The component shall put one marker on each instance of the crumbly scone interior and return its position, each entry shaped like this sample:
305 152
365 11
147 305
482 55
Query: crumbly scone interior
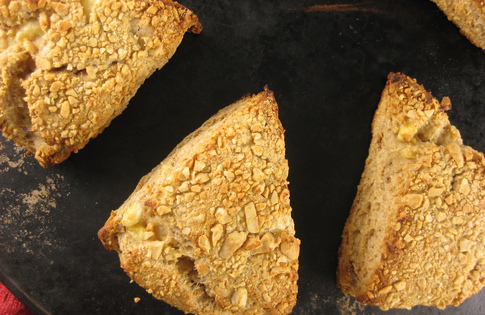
414 235
18 64
70 67
220 220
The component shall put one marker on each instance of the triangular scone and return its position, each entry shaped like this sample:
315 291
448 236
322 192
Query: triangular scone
469 16
416 230
70 67
209 230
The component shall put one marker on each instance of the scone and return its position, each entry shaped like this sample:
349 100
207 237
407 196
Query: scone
416 230
469 16
70 66
209 230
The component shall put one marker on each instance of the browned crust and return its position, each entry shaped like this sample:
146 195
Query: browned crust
432 251
70 67
469 16
108 233
219 206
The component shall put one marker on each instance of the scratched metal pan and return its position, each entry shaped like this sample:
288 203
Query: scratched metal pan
326 61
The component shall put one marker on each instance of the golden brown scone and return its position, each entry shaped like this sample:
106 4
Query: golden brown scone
69 67
469 16
416 230
209 230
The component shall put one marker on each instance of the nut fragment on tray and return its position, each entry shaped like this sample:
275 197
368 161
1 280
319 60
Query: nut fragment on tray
70 67
209 230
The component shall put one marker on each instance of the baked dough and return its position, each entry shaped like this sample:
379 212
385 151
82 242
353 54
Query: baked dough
69 67
209 230
469 16
416 230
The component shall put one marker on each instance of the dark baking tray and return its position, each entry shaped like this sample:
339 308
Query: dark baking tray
327 64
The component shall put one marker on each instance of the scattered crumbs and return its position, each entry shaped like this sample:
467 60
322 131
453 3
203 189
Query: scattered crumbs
347 305
25 215
38 195
13 157
137 299
316 300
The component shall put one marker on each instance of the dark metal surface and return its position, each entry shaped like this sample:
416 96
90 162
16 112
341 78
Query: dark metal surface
327 66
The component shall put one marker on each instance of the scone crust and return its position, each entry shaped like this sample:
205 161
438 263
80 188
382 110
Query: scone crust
228 244
469 16
429 188
69 67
